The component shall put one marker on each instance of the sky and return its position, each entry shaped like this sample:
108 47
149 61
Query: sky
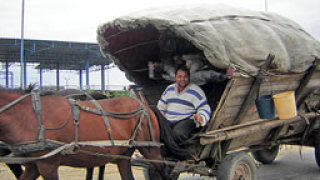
78 20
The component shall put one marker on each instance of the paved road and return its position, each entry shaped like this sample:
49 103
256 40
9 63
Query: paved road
289 165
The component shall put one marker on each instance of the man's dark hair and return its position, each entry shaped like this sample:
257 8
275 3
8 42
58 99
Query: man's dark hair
182 68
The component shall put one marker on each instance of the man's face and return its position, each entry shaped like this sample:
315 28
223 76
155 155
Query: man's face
182 79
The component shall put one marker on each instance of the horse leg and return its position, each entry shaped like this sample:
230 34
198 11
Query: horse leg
124 168
89 173
16 169
155 154
48 169
30 173
101 172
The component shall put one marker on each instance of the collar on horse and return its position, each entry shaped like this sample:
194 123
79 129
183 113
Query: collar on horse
36 104
45 144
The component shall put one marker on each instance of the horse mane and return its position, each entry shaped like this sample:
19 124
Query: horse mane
30 88
19 90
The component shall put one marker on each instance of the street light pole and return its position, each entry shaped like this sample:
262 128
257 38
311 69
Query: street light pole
266 5
22 84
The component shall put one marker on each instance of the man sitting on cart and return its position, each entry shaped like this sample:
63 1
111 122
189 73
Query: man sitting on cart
184 106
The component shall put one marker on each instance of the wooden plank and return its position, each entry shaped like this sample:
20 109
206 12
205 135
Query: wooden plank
234 133
215 120
227 119
231 111
209 150
290 85
249 140
303 87
243 81
274 78
234 127
237 100
281 77
238 97
233 100
253 92
234 104
314 83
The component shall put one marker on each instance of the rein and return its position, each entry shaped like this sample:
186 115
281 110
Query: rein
8 106
63 148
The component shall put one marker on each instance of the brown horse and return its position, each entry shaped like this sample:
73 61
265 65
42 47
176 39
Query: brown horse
16 169
21 123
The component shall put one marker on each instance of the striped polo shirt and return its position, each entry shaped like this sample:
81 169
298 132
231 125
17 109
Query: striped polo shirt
179 106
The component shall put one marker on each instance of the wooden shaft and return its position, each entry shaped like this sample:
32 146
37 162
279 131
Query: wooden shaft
221 135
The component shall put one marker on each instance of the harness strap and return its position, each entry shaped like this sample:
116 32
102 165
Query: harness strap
140 110
105 119
124 143
111 114
149 120
138 126
13 103
71 148
63 148
21 160
34 146
36 105
76 116
143 114
150 127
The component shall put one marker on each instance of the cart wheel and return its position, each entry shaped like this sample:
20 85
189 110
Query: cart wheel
150 174
237 166
266 156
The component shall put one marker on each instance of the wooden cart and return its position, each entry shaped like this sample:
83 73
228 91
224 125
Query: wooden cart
225 38
235 126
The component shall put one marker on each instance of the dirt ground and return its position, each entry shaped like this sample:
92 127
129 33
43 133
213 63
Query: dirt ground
68 173
111 173
284 167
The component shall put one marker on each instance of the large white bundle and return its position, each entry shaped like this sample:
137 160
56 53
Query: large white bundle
230 36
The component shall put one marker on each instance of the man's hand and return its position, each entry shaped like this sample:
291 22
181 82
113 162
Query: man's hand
198 118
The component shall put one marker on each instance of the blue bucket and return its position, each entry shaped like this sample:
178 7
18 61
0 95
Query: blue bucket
265 106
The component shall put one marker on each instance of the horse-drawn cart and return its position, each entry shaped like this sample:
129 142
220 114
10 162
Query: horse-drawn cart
215 41
235 125
235 55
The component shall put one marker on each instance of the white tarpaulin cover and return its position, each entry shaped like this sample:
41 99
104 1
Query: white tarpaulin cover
229 36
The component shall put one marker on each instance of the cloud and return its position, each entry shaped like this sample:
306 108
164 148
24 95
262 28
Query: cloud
77 20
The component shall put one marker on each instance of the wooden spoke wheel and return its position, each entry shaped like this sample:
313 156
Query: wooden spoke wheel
266 156
242 172
237 166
